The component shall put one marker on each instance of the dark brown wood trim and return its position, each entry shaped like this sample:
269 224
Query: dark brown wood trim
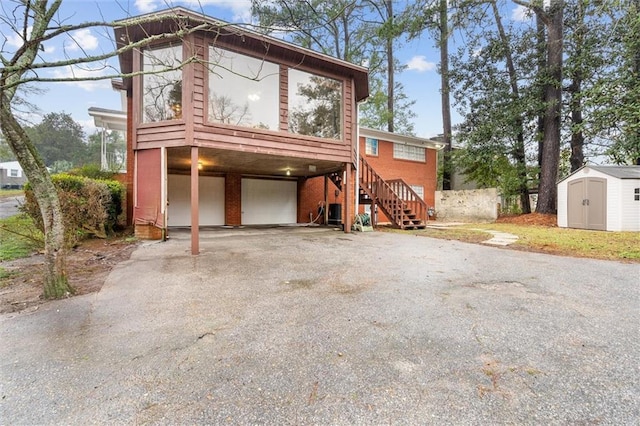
137 96
284 99
188 76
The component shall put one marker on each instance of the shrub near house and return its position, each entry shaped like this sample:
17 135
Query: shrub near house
90 206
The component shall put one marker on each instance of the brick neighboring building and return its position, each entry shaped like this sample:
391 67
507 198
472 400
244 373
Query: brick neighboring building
256 131
407 164
411 159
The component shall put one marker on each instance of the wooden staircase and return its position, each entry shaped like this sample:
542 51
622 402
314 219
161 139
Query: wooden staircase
397 200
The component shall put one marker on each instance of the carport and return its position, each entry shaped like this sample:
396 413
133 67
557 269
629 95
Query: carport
209 187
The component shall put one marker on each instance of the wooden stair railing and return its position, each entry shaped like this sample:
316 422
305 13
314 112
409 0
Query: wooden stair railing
412 200
396 199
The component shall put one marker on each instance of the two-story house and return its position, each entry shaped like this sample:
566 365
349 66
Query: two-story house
230 120
227 126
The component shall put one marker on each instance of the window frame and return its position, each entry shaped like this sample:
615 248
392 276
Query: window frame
419 192
408 158
211 44
636 194
177 44
366 146
286 94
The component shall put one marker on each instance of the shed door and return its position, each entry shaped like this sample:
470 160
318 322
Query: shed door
597 203
587 203
269 202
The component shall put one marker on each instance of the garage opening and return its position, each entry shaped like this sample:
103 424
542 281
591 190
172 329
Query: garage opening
269 202
211 197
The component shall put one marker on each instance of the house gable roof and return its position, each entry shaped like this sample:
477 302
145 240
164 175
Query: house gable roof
166 22
620 172
401 139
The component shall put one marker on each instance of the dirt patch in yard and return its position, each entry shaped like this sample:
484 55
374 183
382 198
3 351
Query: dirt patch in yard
87 265
538 219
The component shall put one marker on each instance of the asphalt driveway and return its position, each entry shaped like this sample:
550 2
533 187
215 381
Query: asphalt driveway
10 206
304 326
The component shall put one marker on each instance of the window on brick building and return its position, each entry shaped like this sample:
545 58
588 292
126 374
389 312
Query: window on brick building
408 152
371 146
418 189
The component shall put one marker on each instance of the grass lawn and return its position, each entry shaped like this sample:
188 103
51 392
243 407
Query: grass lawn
18 237
8 193
623 246
573 242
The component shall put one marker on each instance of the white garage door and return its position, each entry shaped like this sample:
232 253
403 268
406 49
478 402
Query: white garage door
269 202
210 194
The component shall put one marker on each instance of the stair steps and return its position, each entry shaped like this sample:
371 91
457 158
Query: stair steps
396 199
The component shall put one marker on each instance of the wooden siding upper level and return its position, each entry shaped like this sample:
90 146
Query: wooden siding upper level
194 129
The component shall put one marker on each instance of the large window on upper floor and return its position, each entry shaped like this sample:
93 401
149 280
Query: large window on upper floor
162 83
315 105
408 152
243 91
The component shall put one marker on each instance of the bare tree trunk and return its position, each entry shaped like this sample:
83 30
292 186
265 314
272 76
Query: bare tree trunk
518 150
444 93
56 284
553 94
636 75
575 89
577 137
542 69
390 68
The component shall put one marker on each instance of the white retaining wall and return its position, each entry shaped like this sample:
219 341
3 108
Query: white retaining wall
471 205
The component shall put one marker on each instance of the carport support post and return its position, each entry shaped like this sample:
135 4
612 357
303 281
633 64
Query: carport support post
195 203
347 198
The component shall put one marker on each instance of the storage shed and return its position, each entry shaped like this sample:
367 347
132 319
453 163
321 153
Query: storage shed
600 197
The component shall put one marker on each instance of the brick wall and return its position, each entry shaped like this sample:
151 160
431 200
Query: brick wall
233 199
310 193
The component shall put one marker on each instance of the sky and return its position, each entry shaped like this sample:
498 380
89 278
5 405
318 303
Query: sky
420 79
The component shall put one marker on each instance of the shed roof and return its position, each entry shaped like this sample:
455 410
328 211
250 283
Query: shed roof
620 172
167 22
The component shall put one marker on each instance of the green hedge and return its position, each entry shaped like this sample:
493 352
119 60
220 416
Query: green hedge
89 206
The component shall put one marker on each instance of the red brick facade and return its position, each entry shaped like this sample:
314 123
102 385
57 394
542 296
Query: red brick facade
420 173
310 194
233 199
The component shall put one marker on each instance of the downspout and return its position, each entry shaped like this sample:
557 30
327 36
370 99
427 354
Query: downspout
357 179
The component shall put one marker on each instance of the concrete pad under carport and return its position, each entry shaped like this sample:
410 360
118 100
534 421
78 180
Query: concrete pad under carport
327 328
